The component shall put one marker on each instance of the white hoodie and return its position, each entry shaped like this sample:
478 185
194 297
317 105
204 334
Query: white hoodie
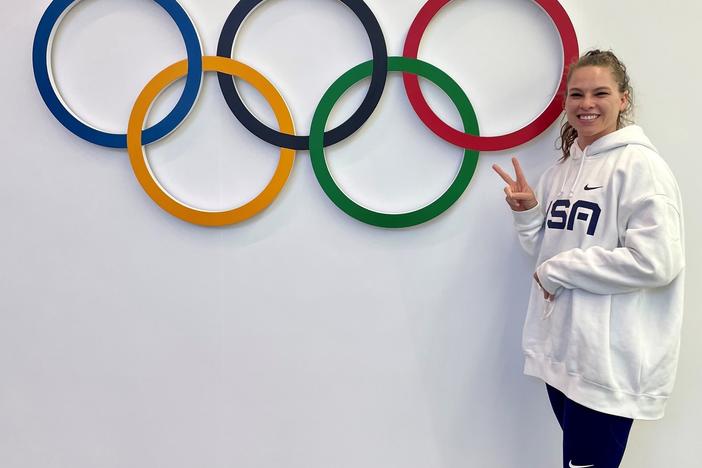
608 231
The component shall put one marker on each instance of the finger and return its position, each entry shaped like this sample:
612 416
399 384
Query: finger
510 194
506 177
518 171
512 204
536 278
522 195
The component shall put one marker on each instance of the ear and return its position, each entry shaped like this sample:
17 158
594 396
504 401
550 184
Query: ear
623 101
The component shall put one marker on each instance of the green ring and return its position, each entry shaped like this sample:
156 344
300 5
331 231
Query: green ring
392 220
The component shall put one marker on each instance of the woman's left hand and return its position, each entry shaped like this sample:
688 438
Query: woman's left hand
547 295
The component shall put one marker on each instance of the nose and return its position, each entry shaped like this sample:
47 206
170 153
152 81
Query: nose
586 102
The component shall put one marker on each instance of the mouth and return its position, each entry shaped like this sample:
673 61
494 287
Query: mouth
587 117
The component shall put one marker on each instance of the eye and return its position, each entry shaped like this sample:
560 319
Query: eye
575 94
603 93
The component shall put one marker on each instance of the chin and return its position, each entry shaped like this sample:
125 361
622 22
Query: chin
587 133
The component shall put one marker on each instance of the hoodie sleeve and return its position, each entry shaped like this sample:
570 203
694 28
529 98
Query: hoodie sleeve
530 227
529 224
651 255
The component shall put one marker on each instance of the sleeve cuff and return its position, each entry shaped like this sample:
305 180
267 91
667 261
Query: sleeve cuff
549 285
532 216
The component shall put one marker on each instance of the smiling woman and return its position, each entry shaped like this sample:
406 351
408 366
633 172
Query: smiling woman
604 317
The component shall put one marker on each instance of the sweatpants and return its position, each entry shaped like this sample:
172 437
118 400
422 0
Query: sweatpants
590 438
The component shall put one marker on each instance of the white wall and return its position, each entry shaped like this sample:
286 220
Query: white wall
301 338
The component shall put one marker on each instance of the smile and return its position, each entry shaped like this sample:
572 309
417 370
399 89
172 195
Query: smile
588 116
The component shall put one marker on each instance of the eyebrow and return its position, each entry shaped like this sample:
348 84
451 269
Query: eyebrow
601 88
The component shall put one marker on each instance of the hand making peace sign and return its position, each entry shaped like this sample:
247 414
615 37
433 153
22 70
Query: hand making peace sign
520 196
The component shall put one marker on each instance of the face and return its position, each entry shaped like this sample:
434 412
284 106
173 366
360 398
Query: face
593 103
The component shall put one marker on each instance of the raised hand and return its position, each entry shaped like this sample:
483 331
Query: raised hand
519 195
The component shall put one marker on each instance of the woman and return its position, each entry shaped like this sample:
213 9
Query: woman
605 311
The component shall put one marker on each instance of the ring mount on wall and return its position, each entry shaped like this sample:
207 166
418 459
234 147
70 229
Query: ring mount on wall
375 90
160 195
569 42
41 61
393 220
136 137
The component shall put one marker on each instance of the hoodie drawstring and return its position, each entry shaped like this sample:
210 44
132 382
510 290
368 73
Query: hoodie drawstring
548 308
577 176
580 171
564 181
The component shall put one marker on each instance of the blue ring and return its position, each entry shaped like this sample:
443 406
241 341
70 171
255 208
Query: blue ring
93 135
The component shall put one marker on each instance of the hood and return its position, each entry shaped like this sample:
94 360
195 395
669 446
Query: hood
630 135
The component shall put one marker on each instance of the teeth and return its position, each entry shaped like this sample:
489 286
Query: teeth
588 117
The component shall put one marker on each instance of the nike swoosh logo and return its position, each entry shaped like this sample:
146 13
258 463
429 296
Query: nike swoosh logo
570 464
587 187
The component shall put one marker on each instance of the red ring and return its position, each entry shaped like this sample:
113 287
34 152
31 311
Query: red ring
569 42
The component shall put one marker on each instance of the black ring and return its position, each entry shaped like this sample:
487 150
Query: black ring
377 84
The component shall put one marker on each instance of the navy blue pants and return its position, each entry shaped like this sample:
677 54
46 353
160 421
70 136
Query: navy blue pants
590 438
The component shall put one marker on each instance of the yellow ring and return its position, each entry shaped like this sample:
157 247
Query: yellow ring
148 181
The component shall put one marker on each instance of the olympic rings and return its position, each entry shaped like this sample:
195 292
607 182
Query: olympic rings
285 138
321 171
158 193
380 56
489 143
45 82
